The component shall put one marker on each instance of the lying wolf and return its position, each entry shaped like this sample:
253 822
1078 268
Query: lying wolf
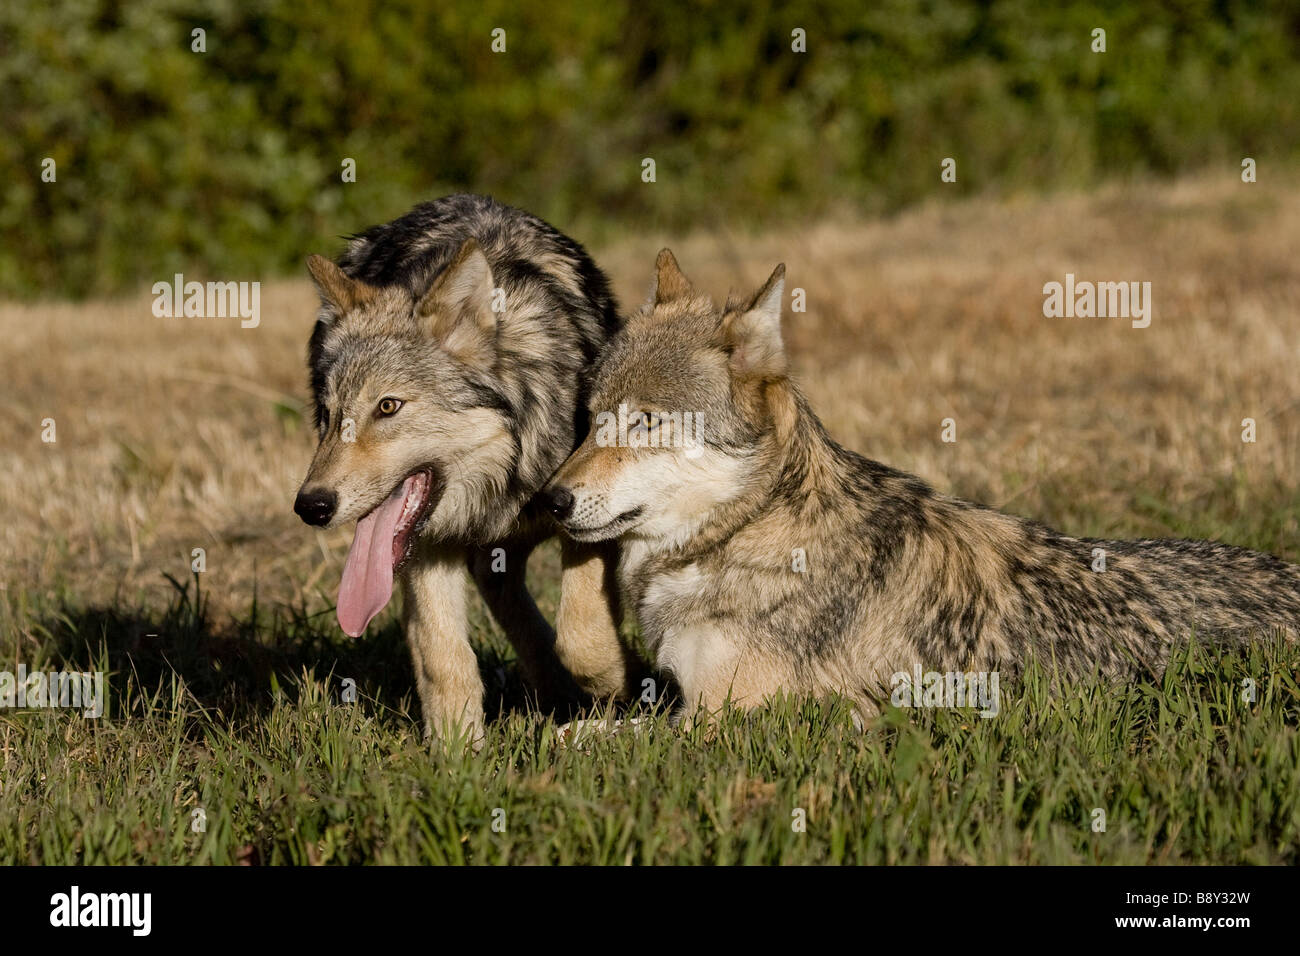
761 556
448 365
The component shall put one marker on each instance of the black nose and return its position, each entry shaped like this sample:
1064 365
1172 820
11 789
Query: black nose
315 507
560 501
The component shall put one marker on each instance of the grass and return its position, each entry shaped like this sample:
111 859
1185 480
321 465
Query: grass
248 726
180 434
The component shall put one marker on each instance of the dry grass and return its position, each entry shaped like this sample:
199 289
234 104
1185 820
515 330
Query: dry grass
170 438
183 433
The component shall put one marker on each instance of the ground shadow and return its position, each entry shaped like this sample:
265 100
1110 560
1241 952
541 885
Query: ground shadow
236 670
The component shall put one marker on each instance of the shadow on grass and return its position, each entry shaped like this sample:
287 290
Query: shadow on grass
236 672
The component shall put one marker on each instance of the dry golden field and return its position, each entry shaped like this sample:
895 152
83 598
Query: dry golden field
175 434
180 433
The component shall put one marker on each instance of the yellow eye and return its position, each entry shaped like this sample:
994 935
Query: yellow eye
389 406
648 420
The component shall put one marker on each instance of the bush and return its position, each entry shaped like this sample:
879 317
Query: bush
228 162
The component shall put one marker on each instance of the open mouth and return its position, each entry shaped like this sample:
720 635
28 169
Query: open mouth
384 541
611 529
418 499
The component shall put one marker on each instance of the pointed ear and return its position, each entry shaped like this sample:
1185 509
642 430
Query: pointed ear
670 282
459 305
754 334
336 287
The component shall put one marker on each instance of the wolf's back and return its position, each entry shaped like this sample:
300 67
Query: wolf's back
413 249
1088 604
971 586
1220 589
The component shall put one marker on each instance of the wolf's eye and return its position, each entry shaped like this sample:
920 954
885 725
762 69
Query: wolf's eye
388 406
645 421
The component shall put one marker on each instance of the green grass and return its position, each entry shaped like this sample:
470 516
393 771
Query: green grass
245 723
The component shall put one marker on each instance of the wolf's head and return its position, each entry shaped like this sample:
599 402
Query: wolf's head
406 415
684 404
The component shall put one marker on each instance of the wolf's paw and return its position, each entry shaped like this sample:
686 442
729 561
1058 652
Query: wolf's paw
579 734
455 737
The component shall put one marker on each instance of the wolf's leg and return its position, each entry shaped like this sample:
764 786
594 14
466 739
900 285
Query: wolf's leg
587 622
499 570
446 670
716 666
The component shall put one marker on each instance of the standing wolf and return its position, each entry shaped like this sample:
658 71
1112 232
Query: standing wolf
760 556
448 364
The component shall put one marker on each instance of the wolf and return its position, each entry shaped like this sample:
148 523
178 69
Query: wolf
448 368
759 556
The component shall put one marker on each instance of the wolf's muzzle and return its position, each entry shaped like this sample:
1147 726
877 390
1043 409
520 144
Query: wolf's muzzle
316 507
559 501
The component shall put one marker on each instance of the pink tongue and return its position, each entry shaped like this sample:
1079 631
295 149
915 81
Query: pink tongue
367 581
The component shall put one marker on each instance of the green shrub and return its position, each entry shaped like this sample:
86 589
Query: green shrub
228 162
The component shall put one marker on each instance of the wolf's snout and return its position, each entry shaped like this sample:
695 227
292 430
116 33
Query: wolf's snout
560 501
315 507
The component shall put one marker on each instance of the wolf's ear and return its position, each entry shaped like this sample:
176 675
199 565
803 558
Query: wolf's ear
336 287
670 282
459 305
753 334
